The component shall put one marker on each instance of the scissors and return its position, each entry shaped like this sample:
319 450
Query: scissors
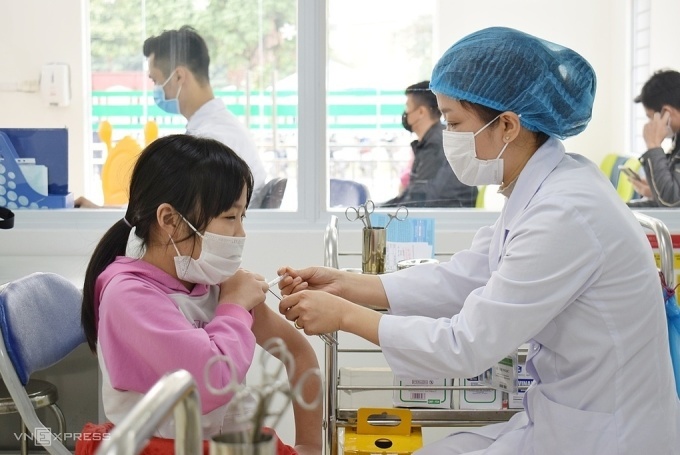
274 384
400 215
327 338
362 212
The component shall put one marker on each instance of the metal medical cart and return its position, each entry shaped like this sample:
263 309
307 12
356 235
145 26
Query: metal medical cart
336 418
663 237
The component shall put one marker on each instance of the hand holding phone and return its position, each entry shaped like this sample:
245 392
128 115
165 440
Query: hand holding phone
631 174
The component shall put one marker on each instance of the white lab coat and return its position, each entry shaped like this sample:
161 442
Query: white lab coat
214 121
567 268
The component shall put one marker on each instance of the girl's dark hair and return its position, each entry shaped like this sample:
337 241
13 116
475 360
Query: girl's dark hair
486 114
201 178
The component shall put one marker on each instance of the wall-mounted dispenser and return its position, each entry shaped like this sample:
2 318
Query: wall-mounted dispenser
55 84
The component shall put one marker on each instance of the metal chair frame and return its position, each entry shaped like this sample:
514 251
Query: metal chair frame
175 392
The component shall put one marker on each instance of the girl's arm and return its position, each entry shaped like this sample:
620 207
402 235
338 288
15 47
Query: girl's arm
142 336
308 431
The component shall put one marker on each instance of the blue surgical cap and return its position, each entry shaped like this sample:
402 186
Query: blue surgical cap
550 86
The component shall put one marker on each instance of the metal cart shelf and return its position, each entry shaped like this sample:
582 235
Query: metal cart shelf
336 418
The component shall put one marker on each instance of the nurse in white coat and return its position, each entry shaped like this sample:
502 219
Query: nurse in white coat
566 268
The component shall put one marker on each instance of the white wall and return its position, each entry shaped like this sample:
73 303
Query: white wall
35 32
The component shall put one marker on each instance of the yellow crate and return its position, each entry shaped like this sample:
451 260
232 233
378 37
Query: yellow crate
381 438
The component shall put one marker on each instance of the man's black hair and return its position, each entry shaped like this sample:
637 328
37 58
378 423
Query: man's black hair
423 96
660 89
184 47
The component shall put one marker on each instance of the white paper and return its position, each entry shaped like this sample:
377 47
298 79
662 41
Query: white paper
400 251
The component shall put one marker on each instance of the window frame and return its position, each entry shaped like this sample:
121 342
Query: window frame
313 186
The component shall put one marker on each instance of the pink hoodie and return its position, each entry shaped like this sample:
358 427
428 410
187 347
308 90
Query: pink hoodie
143 332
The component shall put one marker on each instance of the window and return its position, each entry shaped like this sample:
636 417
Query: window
320 84
641 70
372 58
253 66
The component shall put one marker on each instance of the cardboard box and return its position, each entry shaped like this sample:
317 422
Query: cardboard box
354 399
479 399
384 431
426 396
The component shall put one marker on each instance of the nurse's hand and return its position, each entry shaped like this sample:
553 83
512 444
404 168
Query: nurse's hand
315 278
315 312
245 289
318 312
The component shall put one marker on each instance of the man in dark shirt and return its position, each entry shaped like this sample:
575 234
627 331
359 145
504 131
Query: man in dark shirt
660 97
432 183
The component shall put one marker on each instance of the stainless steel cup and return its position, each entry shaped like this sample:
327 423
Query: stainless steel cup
236 444
373 250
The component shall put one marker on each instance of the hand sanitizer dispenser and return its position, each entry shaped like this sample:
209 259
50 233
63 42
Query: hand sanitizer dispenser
55 84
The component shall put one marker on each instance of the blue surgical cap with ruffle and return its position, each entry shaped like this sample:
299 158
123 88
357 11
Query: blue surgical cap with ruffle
550 86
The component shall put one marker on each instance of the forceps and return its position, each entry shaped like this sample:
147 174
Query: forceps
400 215
273 383
327 338
362 212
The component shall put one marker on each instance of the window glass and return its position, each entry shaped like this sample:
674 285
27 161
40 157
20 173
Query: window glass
373 58
252 46
640 68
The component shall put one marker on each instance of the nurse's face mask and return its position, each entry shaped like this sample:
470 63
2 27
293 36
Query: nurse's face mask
220 258
170 106
461 153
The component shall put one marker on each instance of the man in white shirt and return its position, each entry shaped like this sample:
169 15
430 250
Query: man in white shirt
178 66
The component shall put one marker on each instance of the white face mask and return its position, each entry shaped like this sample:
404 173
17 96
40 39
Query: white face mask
220 258
669 132
461 154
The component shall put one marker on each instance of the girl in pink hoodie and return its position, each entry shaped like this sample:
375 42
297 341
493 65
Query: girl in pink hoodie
183 298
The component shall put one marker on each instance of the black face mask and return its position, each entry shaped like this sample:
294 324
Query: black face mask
404 122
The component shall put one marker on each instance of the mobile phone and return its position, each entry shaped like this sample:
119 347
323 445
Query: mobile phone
630 173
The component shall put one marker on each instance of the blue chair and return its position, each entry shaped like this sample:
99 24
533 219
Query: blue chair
39 326
346 193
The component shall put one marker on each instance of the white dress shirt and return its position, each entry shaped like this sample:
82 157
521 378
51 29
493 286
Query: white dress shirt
213 120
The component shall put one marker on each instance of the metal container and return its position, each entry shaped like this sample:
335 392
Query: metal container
373 250
411 262
236 444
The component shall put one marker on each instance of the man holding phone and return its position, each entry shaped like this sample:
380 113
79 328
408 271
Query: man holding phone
631 174
660 97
